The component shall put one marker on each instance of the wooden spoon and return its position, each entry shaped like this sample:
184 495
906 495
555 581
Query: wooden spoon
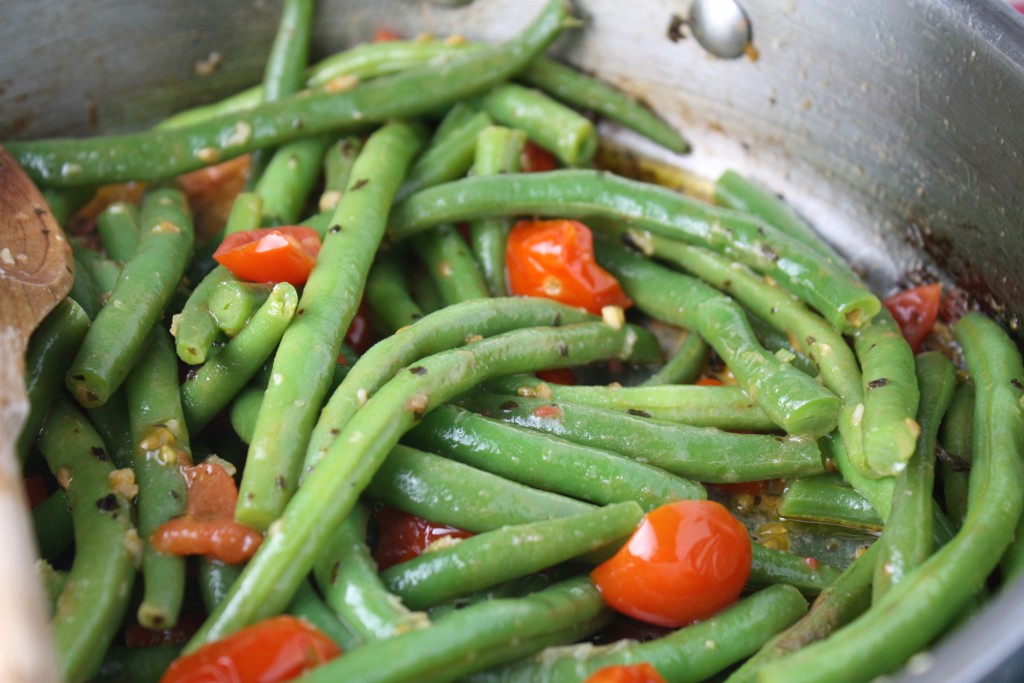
35 274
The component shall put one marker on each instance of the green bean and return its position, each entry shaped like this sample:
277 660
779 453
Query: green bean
118 226
161 447
90 610
246 213
233 302
685 364
454 121
580 90
451 265
84 291
329 493
840 603
780 345
704 454
826 498
136 664
908 617
311 344
736 192
206 392
443 330
956 439
480 561
215 580
347 576
388 295
156 154
53 525
103 271
338 161
790 398
111 421
425 295
289 178
64 203
878 492
425 485
826 286
770 567
725 407
907 540
473 638
568 135
50 350
547 462
445 159
53 580
194 329
688 654
283 75
497 151
888 428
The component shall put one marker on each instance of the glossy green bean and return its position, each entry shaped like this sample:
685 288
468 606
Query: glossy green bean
387 294
956 437
233 303
770 567
547 462
907 540
163 153
96 595
826 498
148 280
112 423
103 271
347 576
207 391
689 654
329 493
52 522
826 286
445 159
338 161
790 398
725 407
450 264
310 345
685 364
84 291
118 226
194 328
908 617
50 350
703 454
136 664
568 135
289 178
161 447
485 560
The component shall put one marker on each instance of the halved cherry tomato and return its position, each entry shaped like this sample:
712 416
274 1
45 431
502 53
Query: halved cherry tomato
642 672
403 536
686 561
557 376
535 159
360 333
281 254
914 311
208 527
211 193
270 651
554 259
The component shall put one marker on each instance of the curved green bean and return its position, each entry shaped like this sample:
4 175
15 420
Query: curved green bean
118 226
233 303
685 364
956 437
826 498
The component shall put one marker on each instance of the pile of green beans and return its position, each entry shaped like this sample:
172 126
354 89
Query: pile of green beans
405 158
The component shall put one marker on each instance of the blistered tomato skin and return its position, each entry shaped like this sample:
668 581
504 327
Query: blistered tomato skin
684 563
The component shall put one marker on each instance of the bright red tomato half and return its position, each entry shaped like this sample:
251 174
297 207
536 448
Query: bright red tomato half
281 254
914 311
685 562
644 672
554 259
404 536
536 159
270 651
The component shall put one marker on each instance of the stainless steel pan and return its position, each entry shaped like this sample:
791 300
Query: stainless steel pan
894 126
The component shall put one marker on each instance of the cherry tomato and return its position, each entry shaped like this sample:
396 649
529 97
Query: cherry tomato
536 159
554 259
211 193
642 672
709 382
403 536
360 333
282 254
212 492
915 310
753 488
35 490
685 562
557 376
270 651
386 35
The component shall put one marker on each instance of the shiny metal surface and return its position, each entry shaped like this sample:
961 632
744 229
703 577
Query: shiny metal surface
893 126
720 26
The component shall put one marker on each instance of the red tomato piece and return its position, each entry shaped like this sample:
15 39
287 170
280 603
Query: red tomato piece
211 193
386 35
685 562
554 259
360 333
753 488
222 539
709 382
35 490
914 311
270 651
536 159
403 536
281 254
212 492
643 672
562 376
